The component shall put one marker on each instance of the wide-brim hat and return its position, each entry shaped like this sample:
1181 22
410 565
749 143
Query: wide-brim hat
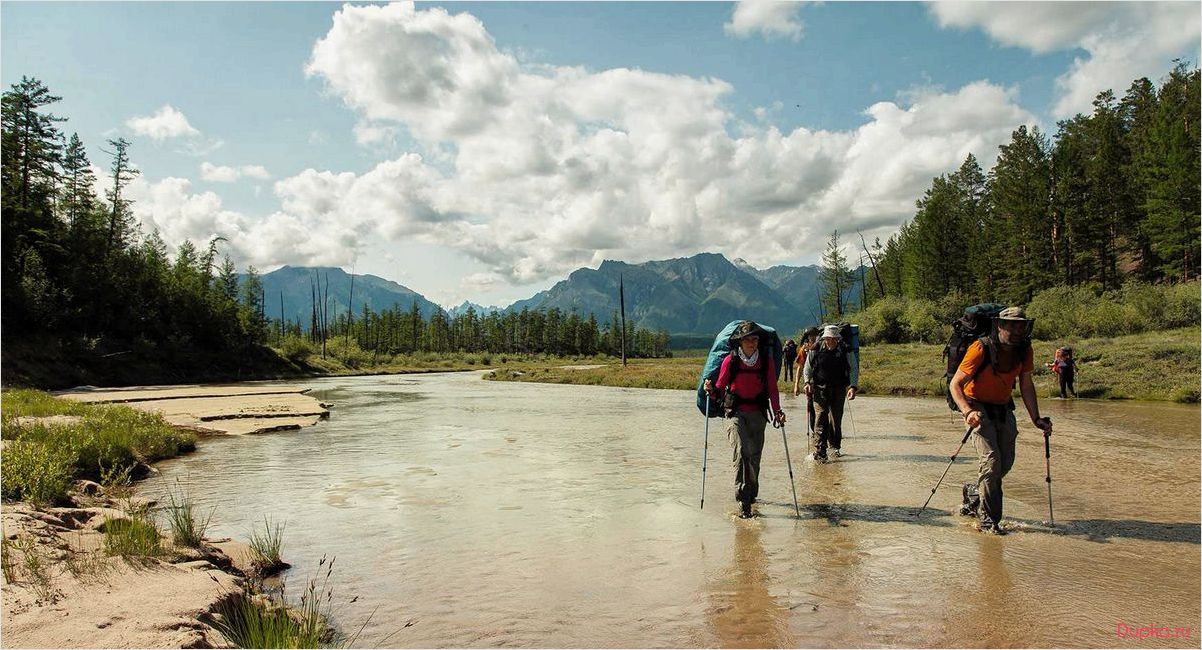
746 328
1013 313
831 332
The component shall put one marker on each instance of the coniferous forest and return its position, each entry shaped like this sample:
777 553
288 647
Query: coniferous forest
1111 196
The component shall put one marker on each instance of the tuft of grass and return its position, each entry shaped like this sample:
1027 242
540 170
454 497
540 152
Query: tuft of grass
7 565
265 548
33 565
186 528
253 620
37 472
132 537
35 403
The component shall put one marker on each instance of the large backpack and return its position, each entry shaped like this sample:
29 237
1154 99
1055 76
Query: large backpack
769 344
849 340
977 322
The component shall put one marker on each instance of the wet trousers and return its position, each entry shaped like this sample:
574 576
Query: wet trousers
828 418
1066 381
789 364
994 441
745 431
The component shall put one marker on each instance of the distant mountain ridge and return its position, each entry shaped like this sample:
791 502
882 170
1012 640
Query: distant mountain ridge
693 296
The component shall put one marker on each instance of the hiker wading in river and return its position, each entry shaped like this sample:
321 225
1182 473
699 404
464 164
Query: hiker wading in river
829 376
982 388
747 387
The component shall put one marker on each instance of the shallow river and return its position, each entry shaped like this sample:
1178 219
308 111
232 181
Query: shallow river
474 513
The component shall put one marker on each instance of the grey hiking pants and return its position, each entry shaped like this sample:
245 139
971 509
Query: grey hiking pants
745 430
828 418
995 442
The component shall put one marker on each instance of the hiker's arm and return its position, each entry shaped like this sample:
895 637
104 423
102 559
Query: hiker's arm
1026 386
723 377
801 366
971 418
774 390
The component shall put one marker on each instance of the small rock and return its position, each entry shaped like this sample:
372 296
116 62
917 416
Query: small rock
90 488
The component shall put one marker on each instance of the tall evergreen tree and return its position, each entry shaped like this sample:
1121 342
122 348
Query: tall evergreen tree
836 278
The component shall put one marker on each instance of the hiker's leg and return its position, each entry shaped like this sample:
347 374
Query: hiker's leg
821 425
810 404
735 436
1007 438
1064 381
756 422
989 470
1071 389
837 399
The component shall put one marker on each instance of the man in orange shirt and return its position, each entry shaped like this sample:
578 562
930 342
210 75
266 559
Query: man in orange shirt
982 388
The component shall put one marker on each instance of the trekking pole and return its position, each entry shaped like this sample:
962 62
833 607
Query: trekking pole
789 462
705 455
949 466
852 416
1047 460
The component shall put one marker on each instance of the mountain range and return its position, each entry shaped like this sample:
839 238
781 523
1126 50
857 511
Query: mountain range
690 297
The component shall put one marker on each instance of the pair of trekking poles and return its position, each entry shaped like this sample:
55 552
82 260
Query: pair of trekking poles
1047 458
776 424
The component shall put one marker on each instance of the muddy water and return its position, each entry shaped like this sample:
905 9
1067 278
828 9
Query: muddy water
498 514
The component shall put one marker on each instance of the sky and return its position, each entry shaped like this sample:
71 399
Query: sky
483 151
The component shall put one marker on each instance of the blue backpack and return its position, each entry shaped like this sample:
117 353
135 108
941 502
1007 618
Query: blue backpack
769 344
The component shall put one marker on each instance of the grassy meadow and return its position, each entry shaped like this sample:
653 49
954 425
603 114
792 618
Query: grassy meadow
1155 366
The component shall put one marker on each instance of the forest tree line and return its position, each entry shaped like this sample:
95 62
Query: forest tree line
1112 196
405 331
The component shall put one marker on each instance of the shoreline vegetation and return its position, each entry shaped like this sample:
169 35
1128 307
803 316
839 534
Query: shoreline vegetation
75 535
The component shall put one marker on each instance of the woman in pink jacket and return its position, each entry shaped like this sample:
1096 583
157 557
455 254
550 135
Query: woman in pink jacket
747 387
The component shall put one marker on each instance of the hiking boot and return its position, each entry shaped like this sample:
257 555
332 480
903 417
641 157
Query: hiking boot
987 526
745 512
819 459
836 452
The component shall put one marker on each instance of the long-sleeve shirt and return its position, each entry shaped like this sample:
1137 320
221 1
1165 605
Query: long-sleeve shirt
747 384
807 375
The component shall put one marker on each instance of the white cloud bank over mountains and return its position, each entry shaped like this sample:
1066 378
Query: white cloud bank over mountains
535 171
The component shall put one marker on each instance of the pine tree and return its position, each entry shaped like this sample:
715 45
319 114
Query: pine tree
120 217
836 278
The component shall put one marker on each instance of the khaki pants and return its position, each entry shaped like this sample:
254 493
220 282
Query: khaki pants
745 431
995 442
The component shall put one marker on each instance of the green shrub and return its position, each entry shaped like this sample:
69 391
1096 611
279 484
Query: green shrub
297 348
36 403
883 321
136 536
35 471
925 323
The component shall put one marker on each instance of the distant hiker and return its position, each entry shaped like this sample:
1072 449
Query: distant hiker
830 376
982 389
809 339
1065 367
747 388
790 357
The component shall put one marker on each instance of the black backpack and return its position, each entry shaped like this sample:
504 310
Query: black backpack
976 323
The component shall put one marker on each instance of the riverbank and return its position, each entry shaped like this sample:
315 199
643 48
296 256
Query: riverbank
88 564
1155 366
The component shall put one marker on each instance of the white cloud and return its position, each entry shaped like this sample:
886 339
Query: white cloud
221 174
771 18
535 172
167 122
1123 40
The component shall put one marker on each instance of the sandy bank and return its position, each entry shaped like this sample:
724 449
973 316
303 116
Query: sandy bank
62 590
216 409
